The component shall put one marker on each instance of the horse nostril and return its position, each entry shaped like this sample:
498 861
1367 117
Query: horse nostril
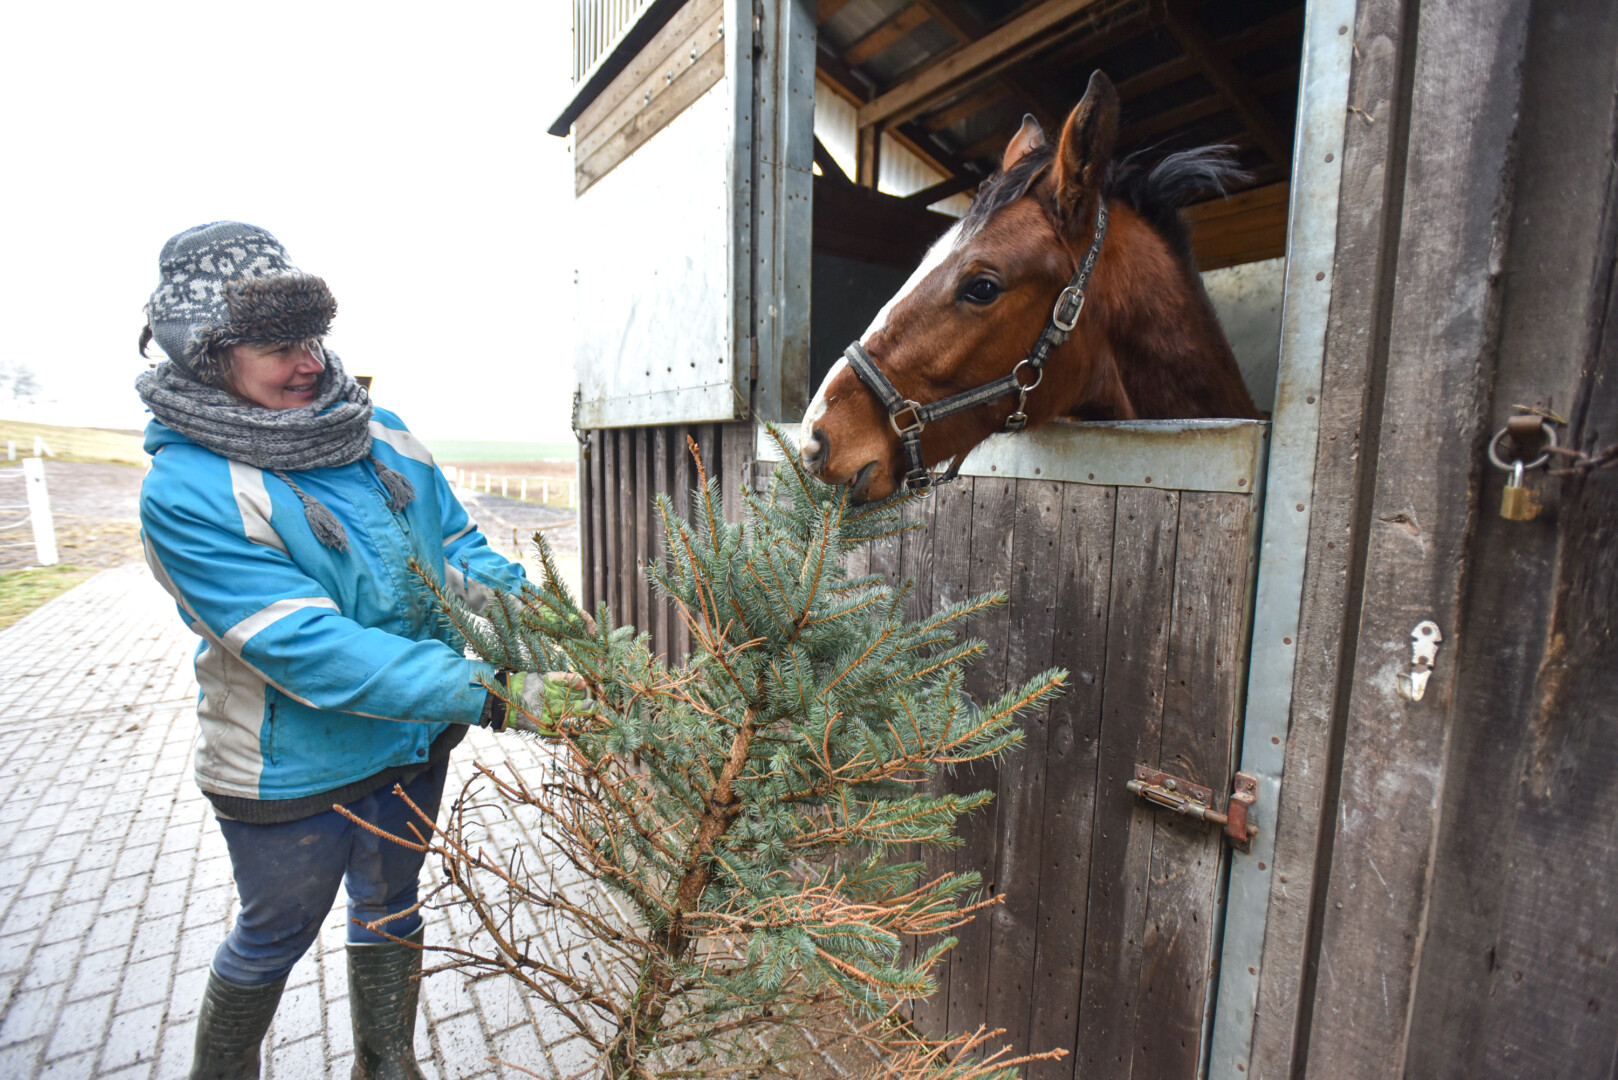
815 451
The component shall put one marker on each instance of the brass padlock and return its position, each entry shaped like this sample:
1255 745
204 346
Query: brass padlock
1517 503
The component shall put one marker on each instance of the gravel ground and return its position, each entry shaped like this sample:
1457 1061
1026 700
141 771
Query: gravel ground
96 508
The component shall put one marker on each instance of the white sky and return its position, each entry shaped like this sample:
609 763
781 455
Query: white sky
398 150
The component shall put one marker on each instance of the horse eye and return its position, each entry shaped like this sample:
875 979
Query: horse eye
982 291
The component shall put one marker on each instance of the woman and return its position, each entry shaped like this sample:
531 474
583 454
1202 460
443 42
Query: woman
283 512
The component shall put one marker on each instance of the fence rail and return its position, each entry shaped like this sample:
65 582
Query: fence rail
551 490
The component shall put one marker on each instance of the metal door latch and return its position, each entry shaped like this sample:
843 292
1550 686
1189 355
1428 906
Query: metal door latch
1424 639
1194 800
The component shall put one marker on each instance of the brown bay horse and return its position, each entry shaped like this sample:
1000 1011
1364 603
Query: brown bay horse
1146 343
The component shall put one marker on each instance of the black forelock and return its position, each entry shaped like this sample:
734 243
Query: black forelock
1156 193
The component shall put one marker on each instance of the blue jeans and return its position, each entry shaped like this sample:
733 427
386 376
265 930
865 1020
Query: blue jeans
287 877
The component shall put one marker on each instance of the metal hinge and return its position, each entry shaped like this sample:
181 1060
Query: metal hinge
1194 800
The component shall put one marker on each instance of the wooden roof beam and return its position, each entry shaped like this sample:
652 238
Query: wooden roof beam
1230 83
973 63
827 9
1157 124
886 33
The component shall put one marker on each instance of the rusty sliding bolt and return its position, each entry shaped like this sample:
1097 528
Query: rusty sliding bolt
1193 800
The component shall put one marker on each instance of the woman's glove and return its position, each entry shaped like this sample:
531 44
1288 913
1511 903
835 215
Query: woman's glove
539 701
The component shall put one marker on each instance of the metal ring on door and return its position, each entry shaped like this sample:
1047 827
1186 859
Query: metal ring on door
1550 444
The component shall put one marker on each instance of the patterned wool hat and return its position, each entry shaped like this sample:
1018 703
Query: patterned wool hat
225 284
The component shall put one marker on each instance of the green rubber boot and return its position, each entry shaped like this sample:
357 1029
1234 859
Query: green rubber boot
383 987
230 1026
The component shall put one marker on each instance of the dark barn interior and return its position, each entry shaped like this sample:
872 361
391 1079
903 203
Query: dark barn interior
950 81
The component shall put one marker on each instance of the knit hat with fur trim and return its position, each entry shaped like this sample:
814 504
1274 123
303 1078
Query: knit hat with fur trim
227 284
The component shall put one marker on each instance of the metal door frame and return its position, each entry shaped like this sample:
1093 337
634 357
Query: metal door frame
1317 161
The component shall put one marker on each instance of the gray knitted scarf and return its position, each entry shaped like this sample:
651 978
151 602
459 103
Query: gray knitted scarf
332 430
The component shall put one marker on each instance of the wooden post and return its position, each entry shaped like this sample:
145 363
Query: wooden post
523 493
868 161
39 510
1463 121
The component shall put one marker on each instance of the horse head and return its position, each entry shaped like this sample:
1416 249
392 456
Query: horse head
1146 343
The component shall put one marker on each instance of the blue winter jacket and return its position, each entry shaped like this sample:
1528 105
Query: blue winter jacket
311 657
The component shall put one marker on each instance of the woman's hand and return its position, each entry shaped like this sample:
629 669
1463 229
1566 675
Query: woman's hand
540 702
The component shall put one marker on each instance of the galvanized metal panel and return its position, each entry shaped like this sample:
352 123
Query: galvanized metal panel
783 216
1174 455
655 277
1288 495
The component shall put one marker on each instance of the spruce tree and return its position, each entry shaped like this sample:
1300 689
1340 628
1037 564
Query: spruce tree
727 844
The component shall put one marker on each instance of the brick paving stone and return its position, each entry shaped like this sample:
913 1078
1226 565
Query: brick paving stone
31 1014
174 1055
133 1037
145 983
99 973
78 1067
82 1025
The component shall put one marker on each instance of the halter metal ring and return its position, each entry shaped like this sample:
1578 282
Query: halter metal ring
1550 444
915 425
1039 375
1056 312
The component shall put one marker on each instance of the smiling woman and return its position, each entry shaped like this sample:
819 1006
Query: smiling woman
276 376
289 518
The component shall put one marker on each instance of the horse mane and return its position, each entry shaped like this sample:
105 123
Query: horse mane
1156 193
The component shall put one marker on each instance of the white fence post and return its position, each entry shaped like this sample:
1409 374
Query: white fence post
11 449
39 510
523 494
545 491
450 472
42 448
503 487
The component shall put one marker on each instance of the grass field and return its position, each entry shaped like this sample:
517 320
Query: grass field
484 451
21 591
74 443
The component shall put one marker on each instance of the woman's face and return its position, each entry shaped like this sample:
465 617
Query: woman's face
275 376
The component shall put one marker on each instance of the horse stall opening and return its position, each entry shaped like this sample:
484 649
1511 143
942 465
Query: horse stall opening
810 164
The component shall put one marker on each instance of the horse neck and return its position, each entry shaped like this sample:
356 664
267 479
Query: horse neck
1165 347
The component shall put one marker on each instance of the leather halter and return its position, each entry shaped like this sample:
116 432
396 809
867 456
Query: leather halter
1064 317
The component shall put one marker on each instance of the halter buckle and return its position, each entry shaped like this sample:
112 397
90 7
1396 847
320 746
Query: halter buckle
1062 299
921 482
915 426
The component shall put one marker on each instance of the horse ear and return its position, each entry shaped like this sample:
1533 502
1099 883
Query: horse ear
1029 137
1088 139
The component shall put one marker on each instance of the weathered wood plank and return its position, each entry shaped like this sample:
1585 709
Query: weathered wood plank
1142 592
989 570
1082 573
1032 613
951 551
629 579
1464 111
684 478
737 441
588 501
694 80
1356 338
1553 993
1559 258
644 529
660 486
916 567
1202 691
611 505
696 25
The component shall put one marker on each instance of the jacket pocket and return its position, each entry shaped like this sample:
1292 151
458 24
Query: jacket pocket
268 743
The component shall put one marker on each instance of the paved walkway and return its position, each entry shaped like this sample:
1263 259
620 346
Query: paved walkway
115 887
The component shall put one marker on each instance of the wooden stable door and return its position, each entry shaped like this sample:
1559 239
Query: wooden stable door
1105 944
